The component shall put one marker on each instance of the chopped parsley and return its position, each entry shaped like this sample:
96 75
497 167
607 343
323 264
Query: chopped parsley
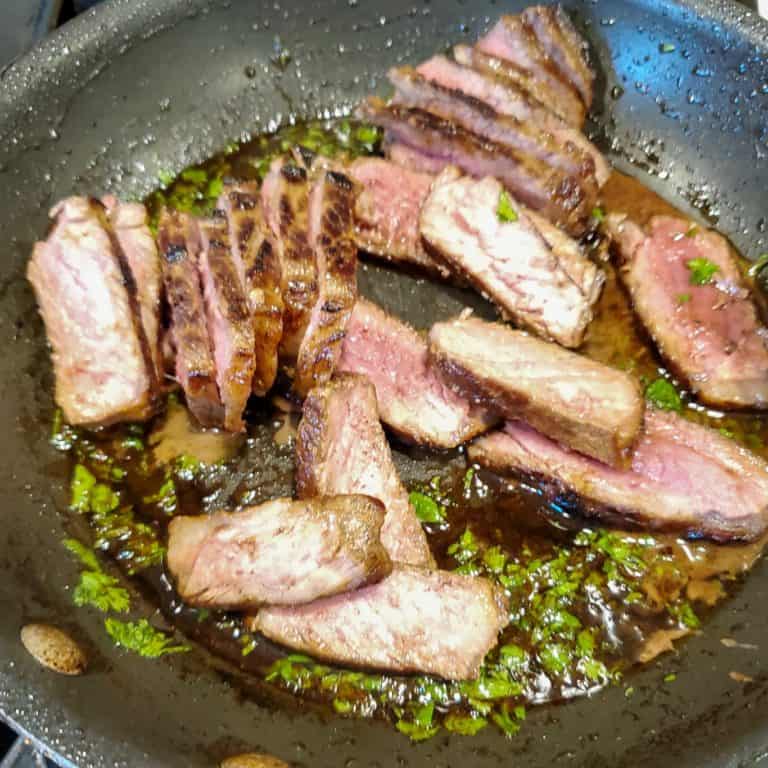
504 210
663 394
97 588
683 298
702 271
142 638
598 214
666 48
426 508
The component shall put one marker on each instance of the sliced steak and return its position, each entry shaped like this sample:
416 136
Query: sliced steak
565 47
230 326
560 197
179 242
684 477
583 404
280 553
710 334
412 159
102 368
413 400
131 227
507 260
433 622
285 197
494 82
257 261
331 235
341 448
387 211
472 114
513 40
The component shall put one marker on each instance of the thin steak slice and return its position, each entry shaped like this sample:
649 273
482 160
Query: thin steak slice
558 196
583 404
416 620
412 159
179 242
341 448
131 227
416 91
710 334
508 260
283 552
684 477
103 374
256 259
565 47
229 320
285 197
495 82
331 235
387 211
413 400
513 40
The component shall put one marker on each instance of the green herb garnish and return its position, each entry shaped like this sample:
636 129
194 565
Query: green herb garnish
683 298
504 210
96 588
142 638
598 214
702 270
757 266
666 47
426 508
80 488
466 725
419 727
663 394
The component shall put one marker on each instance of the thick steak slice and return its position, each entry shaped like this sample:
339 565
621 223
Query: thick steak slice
565 47
131 227
387 211
103 373
285 197
558 196
179 242
684 477
331 235
341 448
710 333
434 622
257 261
413 400
497 83
280 553
229 320
513 40
508 260
474 115
584 405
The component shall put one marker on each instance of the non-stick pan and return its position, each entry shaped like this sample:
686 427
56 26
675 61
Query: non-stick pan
136 87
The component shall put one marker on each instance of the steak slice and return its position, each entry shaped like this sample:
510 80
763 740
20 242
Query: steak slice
684 477
496 83
285 197
230 326
416 620
565 47
282 552
413 400
100 360
709 334
415 91
583 404
179 242
341 448
130 225
558 196
331 235
509 261
513 40
256 259
387 211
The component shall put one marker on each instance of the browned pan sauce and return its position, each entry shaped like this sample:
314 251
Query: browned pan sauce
587 603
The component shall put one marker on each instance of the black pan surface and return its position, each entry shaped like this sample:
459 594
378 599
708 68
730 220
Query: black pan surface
134 88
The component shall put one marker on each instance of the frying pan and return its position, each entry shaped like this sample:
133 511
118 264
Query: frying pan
134 88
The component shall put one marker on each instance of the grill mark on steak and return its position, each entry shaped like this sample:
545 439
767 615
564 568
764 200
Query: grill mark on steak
341 448
684 478
331 235
558 196
257 261
285 197
179 244
282 552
